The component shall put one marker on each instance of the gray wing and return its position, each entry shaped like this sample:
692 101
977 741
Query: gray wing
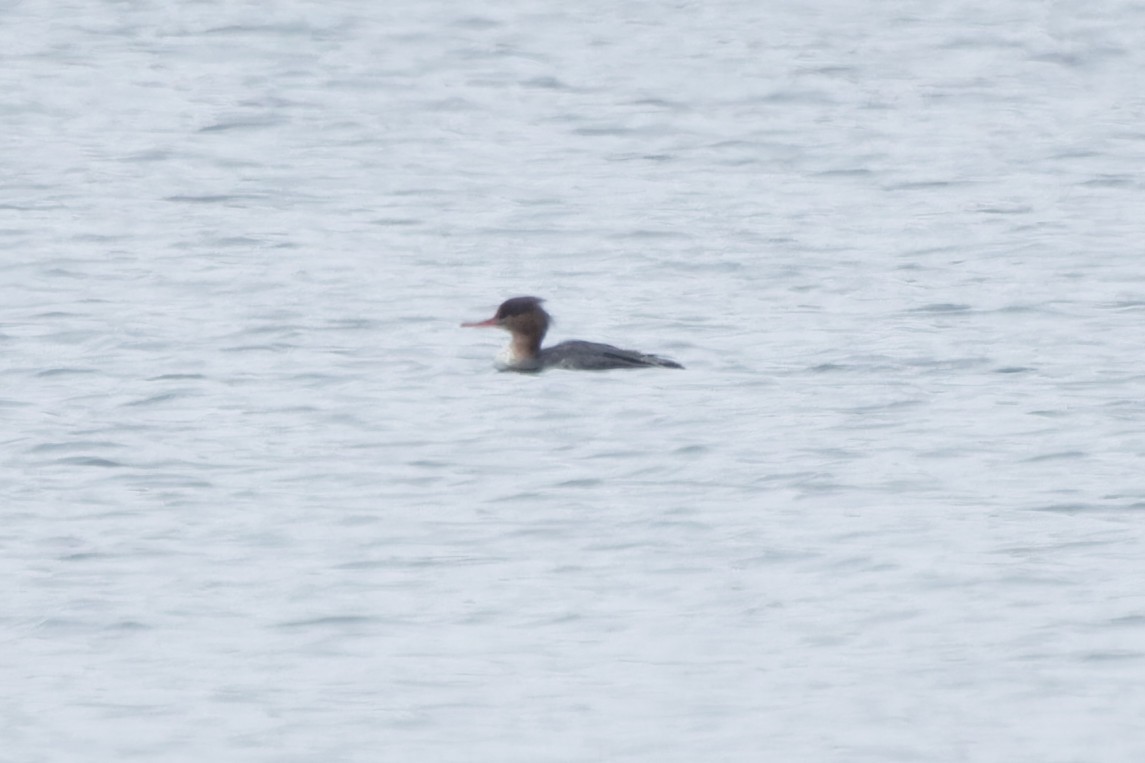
594 356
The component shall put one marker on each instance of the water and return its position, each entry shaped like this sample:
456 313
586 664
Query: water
265 501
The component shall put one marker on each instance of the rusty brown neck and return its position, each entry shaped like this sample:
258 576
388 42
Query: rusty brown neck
526 345
528 330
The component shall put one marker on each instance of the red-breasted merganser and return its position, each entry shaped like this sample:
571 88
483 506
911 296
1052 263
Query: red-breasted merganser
527 321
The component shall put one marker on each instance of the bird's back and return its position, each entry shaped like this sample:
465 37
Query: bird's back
594 356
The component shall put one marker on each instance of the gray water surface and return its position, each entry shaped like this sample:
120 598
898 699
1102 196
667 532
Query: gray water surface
264 500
